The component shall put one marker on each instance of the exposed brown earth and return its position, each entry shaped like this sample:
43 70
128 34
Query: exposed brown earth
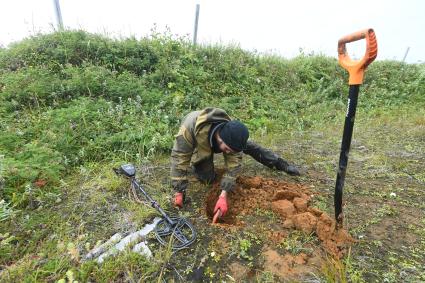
290 202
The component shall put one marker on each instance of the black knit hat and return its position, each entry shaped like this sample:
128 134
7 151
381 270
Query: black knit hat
234 134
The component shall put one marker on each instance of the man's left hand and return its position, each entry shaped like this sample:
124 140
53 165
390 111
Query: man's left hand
282 165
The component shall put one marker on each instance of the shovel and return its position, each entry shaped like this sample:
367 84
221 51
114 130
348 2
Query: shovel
356 70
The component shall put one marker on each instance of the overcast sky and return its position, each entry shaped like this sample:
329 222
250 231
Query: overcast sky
278 27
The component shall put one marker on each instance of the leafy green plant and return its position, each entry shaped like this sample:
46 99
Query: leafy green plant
30 169
244 248
296 241
5 210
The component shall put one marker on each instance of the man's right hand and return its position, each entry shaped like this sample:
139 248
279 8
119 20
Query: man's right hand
178 199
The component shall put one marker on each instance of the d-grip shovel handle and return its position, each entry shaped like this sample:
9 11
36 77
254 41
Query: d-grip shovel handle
356 68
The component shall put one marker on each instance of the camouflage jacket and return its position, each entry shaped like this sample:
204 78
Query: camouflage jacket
192 146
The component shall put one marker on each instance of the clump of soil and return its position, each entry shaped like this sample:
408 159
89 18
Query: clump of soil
284 265
290 201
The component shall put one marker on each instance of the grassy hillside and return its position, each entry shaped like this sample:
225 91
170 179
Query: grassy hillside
73 104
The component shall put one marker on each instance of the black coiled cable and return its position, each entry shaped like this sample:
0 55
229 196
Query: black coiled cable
182 234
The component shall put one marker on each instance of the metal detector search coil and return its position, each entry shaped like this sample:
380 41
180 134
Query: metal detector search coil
175 231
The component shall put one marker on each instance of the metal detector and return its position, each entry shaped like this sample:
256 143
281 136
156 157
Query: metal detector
175 231
356 70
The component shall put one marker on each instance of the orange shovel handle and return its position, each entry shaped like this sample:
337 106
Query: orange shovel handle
356 68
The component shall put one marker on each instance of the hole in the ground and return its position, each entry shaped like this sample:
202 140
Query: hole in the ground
291 202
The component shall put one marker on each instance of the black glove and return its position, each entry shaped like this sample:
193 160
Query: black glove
282 165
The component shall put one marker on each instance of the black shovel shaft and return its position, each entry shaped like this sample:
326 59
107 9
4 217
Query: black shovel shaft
154 204
345 149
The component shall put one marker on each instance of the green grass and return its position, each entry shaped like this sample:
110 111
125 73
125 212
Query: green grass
73 105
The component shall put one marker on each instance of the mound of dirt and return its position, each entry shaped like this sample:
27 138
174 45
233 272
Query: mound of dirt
290 201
